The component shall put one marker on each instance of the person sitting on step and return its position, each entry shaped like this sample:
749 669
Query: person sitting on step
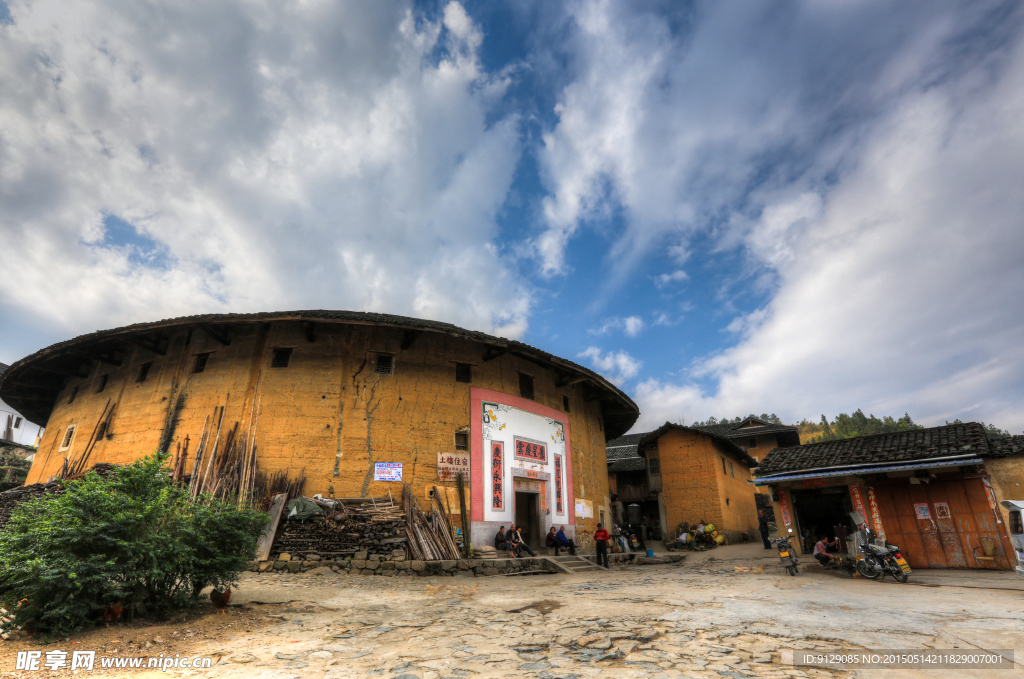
515 540
564 542
501 542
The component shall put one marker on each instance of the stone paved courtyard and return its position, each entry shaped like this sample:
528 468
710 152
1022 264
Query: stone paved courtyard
699 618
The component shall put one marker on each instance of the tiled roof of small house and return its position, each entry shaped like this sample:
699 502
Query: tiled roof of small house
623 455
1005 446
906 446
785 434
724 442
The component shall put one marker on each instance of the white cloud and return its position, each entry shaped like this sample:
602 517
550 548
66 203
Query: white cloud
666 279
616 366
333 155
630 325
866 158
905 289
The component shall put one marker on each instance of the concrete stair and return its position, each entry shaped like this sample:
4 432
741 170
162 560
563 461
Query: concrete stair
576 565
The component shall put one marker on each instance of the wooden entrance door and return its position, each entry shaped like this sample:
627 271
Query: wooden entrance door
942 524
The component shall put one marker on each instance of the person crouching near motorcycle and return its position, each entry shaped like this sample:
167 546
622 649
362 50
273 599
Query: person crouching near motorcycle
821 550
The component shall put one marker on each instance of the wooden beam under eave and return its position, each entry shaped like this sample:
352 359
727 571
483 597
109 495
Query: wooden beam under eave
148 346
491 355
58 371
109 360
567 381
408 338
223 338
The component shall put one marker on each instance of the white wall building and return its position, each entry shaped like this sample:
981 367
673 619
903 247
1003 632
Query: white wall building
14 427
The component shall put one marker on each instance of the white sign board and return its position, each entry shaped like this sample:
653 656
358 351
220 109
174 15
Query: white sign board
387 471
450 464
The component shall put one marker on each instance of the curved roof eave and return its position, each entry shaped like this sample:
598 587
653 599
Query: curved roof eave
37 407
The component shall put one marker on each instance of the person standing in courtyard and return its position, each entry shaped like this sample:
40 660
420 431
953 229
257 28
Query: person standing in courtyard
601 539
762 526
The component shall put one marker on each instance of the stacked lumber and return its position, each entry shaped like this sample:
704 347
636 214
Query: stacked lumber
10 499
350 525
430 535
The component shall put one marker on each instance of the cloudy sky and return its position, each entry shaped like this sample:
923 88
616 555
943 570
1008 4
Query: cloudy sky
789 207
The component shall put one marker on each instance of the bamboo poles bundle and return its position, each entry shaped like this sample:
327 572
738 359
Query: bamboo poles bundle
430 536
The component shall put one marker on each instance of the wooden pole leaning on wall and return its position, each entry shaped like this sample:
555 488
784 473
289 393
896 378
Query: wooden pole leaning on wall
460 485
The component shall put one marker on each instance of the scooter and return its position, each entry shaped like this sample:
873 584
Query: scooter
787 556
881 561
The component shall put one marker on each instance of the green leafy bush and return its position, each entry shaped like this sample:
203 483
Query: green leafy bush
133 538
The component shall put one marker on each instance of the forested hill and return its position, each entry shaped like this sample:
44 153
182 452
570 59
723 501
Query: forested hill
845 426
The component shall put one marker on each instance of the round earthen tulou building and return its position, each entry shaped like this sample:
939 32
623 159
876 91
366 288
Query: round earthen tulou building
352 401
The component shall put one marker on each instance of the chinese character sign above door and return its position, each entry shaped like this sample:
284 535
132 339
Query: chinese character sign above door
518 443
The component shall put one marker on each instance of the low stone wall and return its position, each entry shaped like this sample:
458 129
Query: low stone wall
397 565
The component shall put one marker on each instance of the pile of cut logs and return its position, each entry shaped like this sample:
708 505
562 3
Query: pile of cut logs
372 525
378 526
10 499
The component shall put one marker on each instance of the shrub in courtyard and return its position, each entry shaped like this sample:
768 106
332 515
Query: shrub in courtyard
132 539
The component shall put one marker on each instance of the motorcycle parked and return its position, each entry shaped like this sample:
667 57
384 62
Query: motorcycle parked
877 562
787 556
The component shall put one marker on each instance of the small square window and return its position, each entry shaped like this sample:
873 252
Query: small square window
752 443
102 384
462 441
17 423
463 372
565 403
201 360
69 436
385 364
144 371
525 386
654 465
281 358
74 393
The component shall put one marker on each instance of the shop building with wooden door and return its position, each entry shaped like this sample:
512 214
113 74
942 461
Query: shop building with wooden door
934 492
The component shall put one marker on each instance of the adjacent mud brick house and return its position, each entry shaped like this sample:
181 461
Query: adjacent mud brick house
756 436
934 492
349 400
685 474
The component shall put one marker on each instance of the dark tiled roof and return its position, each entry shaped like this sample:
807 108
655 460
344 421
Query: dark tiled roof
785 434
1005 446
619 412
3 368
628 464
623 455
722 440
905 446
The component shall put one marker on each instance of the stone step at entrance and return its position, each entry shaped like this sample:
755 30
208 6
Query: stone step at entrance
577 564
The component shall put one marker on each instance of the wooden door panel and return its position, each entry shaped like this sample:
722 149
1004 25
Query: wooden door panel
985 520
942 515
901 527
963 520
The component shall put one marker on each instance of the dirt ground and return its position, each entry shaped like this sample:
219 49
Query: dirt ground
699 618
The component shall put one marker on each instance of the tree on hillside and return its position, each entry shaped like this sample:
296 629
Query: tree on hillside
711 421
858 424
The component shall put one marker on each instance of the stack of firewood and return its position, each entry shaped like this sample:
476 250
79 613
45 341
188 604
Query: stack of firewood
430 535
10 499
349 525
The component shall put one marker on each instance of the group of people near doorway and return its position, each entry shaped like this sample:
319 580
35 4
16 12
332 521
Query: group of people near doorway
511 541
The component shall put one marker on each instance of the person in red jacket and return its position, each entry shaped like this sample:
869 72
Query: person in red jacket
601 538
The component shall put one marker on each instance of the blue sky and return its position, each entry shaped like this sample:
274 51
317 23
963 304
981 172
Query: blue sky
789 207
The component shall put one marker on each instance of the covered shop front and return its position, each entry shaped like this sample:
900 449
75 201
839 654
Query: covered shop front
930 491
